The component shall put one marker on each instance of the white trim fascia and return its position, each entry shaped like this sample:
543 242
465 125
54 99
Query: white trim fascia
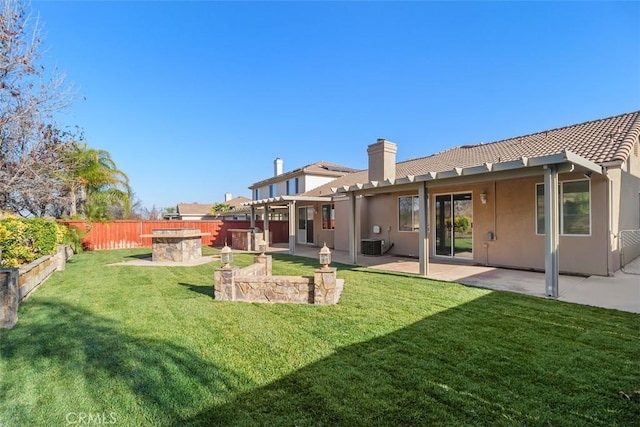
564 157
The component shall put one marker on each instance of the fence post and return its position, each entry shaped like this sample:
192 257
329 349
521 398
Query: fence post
9 298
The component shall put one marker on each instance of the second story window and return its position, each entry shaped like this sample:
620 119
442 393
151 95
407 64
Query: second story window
293 186
272 190
255 194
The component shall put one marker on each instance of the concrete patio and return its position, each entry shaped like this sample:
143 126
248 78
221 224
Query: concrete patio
620 292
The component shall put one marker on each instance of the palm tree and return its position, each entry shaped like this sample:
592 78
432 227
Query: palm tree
95 183
220 207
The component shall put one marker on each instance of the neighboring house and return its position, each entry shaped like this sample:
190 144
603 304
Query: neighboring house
193 212
554 200
204 211
297 181
237 212
284 196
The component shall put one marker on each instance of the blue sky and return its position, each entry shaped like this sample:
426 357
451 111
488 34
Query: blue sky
195 99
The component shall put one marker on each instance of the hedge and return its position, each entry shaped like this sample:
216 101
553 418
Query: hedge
23 240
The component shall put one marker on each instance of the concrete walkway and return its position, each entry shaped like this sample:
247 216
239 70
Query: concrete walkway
620 292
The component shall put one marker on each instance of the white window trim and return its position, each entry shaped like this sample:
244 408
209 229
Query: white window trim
561 207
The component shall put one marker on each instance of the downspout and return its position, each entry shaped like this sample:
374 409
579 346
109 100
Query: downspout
495 226
609 246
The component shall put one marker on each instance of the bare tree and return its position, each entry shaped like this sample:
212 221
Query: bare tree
29 95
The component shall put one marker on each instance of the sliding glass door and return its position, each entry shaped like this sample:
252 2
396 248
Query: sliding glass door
305 225
454 225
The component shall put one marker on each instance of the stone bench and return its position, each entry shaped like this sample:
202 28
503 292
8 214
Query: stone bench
256 284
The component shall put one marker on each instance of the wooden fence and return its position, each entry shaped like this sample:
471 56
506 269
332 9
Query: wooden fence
123 234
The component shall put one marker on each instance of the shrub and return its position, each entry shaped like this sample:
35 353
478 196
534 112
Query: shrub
25 239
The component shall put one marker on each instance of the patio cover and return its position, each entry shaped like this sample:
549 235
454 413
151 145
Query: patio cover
548 165
282 202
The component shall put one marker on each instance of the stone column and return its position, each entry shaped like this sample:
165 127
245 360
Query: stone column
9 298
266 260
324 286
61 258
223 283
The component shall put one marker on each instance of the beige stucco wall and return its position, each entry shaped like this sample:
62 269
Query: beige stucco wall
509 214
341 232
383 211
518 245
628 216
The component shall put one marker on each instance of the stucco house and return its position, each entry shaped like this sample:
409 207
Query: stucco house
297 181
552 201
284 196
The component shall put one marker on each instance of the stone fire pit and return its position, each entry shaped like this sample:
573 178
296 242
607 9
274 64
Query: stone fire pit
176 244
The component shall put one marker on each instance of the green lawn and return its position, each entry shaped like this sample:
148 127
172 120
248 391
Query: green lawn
137 346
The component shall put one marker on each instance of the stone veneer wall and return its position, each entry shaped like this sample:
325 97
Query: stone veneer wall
176 244
273 289
256 284
16 284
178 249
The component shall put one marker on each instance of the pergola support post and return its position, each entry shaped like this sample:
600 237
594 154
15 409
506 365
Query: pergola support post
292 227
423 237
353 236
552 231
266 225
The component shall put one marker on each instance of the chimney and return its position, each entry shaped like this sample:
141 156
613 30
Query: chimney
227 197
382 160
277 166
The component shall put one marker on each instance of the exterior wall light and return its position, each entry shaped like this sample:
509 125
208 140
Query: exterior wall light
324 257
262 247
226 256
483 197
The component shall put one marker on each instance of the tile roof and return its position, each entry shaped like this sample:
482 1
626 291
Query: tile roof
348 180
236 202
600 141
318 168
194 208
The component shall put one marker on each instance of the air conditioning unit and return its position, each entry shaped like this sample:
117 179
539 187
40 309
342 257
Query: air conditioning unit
371 247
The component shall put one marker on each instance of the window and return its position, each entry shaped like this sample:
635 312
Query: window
575 208
272 190
328 217
293 186
539 208
255 194
408 209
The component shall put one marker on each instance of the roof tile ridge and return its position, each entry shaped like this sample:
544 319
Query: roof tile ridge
342 166
573 125
413 159
633 135
542 132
